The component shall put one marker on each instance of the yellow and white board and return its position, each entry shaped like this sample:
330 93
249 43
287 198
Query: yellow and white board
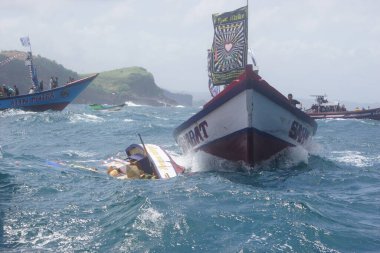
161 160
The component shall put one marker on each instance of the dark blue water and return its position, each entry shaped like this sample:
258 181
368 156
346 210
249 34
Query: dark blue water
323 200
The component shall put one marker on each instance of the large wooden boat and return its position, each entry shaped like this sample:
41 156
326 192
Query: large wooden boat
249 120
322 109
53 99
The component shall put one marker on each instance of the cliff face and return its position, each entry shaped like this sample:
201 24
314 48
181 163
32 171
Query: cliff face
182 99
134 84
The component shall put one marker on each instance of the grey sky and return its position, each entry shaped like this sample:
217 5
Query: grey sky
302 46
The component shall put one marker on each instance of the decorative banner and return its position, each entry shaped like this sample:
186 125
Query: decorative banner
214 90
32 69
229 47
8 60
25 41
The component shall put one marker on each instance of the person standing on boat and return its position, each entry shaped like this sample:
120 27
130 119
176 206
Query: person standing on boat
2 92
51 83
17 92
56 82
31 90
42 85
11 92
5 91
292 101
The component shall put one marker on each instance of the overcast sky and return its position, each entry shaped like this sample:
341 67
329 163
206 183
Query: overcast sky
302 46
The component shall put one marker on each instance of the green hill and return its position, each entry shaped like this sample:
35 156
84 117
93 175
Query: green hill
134 84
131 82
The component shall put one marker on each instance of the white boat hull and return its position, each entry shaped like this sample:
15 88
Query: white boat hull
250 122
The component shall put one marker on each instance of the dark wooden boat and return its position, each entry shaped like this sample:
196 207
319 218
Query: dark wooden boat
322 109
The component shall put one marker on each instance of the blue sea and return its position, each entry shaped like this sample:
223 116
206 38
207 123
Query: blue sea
325 198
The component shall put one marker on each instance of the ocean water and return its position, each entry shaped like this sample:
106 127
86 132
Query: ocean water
323 199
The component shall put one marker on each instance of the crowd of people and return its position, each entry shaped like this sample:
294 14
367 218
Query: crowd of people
7 91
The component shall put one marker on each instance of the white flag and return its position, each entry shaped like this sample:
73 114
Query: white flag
25 41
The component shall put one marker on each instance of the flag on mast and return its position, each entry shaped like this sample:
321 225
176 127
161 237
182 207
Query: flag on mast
229 46
25 41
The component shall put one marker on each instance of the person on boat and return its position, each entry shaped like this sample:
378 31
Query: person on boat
2 92
51 83
31 90
17 92
292 101
11 92
56 82
42 85
5 91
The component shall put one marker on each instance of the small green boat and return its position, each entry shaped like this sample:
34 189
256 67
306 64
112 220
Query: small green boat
105 107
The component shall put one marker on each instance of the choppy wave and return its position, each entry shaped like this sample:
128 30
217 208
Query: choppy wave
129 103
324 198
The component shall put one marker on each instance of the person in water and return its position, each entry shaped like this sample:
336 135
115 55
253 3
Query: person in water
129 171
292 101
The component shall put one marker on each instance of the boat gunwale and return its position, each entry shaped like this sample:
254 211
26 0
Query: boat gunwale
247 80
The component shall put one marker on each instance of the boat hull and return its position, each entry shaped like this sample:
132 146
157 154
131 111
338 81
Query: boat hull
100 107
249 121
55 99
362 114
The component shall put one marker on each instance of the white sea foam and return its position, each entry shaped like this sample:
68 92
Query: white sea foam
75 118
202 161
161 118
354 158
287 158
151 222
78 153
13 112
178 159
129 103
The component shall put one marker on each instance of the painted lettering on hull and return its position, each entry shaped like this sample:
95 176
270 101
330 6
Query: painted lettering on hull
298 132
194 136
17 102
